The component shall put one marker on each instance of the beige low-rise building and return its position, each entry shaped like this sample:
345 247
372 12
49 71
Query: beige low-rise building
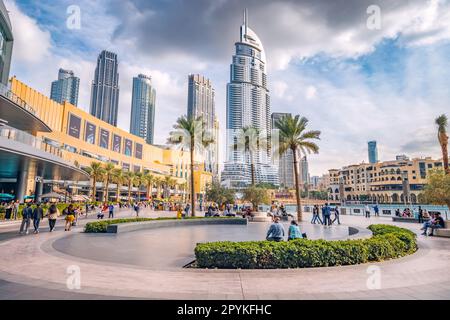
397 181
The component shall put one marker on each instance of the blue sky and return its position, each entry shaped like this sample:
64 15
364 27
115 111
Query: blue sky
353 83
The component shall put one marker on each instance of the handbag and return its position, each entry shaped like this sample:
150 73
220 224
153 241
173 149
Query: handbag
304 236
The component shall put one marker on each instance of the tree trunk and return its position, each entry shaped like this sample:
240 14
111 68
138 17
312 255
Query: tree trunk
444 148
297 186
106 189
192 178
149 186
129 192
94 189
118 193
252 169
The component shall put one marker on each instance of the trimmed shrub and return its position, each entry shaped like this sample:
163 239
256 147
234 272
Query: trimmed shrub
101 226
388 242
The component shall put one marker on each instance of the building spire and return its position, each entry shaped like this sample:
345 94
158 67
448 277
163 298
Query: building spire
245 22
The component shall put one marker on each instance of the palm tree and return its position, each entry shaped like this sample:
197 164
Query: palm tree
96 172
129 178
149 180
118 178
137 182
294 137
108 172
168 183
190 134
158 183
442 122
251 141
183 186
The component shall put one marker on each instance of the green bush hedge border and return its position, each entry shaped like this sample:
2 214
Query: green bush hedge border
101 226
387 242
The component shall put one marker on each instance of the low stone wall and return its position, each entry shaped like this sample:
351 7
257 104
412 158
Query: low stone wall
134 226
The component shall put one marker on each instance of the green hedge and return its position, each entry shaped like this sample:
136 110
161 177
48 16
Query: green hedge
388 242
101 225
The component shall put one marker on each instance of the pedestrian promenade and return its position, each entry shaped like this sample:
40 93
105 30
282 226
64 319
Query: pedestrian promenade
35 269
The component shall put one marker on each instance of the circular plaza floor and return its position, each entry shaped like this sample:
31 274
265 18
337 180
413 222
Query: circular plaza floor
148 264
172 247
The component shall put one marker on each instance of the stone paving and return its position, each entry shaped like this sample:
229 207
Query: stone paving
33 269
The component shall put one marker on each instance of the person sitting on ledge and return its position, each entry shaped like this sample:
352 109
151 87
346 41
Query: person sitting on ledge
276 231
435 223
294 231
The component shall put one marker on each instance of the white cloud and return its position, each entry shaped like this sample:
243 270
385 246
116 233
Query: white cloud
31 43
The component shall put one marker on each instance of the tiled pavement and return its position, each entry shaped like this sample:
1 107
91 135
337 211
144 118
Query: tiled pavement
33 270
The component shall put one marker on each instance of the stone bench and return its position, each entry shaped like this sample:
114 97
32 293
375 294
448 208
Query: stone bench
134 226
407 219
445 232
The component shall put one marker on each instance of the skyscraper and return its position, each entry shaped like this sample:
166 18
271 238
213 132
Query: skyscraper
373 152
105 88
201 103
248 105
285 161
143 106
304 171
66 87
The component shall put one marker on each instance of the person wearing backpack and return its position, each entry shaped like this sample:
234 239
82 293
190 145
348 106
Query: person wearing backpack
38 215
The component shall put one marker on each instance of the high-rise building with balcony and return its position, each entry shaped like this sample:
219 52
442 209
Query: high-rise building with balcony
373 152
6 44
248 105
143 106
201 103
105 88
65 88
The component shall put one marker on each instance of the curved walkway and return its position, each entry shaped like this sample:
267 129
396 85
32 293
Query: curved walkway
33 262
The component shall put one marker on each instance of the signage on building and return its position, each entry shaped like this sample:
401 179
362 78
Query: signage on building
128 147
89 133
117 141
104 138
74 127
138 151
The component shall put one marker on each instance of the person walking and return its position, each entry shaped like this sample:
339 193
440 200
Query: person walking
294 231
376 210
52 214
111 211
70 217
336 216
367 211
420 216
38 215
27 213
327 215
316 217
276 231
136 209
187 209
15 209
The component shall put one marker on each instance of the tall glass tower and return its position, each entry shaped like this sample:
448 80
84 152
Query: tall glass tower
143 108
248 105
373 152
201 102
66 87
105 88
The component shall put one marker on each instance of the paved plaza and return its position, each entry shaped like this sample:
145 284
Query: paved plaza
147 265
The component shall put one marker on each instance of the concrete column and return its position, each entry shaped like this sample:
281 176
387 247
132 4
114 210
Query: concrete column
21 185
39 189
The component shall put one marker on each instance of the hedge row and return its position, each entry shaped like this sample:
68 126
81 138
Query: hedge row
388 242
102 225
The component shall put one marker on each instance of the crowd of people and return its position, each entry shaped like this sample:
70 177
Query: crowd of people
322 215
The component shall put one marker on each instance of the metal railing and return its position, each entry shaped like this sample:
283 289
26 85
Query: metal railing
8 94
28 139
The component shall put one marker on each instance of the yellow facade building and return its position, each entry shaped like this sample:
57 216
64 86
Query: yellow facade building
83 139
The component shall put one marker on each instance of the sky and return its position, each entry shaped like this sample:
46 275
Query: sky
358 73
